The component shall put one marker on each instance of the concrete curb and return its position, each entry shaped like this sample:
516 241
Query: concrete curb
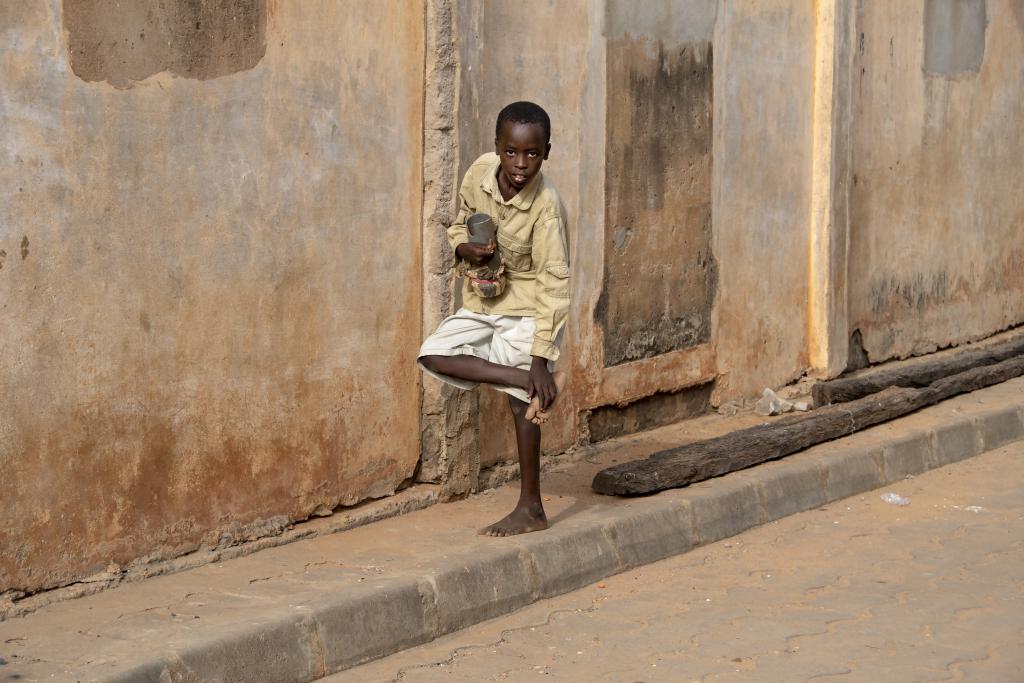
347 629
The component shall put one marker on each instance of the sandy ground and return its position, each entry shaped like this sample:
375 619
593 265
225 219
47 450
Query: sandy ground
860 590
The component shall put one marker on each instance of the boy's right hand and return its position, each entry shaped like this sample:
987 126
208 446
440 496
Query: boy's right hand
475 254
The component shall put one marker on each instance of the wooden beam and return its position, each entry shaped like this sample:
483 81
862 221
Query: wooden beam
914 375
702 460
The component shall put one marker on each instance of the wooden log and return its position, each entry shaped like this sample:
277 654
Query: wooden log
702 460
915 375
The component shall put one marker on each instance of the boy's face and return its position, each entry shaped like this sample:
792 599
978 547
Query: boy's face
522 150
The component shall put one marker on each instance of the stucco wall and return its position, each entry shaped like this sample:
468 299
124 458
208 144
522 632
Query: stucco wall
660 274
209 281
936 208
764 58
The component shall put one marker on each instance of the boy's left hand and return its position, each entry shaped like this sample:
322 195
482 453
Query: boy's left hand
542 384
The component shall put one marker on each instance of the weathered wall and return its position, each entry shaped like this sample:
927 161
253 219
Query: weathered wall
449 451
722 229
221 234
209 283
660 274
650 314
937 212
764 59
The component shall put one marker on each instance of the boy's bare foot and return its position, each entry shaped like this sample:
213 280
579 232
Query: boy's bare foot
534 413
522 520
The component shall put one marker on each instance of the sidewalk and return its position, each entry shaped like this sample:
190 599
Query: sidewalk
856 591
301 611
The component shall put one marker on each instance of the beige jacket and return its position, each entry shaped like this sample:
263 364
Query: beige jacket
534 245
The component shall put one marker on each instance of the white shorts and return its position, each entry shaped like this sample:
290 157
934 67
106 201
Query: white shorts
501 339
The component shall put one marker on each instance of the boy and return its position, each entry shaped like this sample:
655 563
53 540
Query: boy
511 340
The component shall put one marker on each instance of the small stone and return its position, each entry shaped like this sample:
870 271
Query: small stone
802 406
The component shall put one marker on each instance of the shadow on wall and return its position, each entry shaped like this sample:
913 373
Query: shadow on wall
125 42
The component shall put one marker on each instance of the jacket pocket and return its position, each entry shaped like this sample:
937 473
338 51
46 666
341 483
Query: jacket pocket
557 280
518 257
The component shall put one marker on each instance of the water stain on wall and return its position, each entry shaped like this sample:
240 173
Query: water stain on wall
124 42
910 294
660 273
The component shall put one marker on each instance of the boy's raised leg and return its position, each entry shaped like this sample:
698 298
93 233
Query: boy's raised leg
477 370
528 514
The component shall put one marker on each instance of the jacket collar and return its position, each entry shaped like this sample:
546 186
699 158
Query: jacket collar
523 199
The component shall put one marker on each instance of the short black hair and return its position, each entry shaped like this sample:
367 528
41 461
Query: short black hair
524 112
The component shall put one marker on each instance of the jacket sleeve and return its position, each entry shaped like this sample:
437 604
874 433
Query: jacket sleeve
551 259
458 233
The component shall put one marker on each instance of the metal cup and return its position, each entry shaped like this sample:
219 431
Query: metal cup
481 228
481 231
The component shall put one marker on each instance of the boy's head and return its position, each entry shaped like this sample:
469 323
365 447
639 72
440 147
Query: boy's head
522 140
524 112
